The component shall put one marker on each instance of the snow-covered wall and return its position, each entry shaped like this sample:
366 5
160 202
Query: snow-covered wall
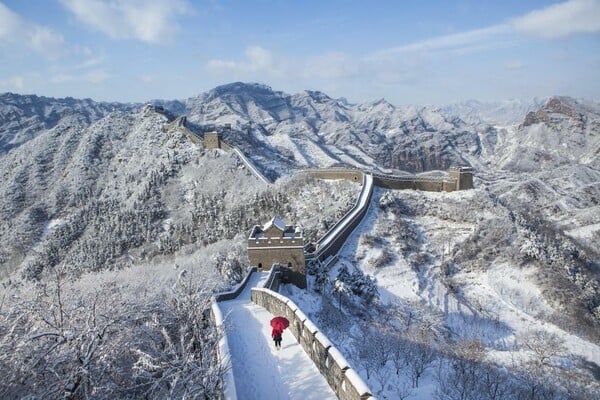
224 355
333 240
344 381
251 166
232 294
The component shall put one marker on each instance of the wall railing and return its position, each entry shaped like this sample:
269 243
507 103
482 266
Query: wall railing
340 376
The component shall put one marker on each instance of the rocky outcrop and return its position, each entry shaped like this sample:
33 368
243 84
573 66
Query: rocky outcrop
554 111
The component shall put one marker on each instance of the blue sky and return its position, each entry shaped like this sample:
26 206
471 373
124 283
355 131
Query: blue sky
409 52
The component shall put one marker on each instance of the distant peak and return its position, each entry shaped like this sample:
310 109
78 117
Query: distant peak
343 100
382 102
237 87
556 105
317 95
558 102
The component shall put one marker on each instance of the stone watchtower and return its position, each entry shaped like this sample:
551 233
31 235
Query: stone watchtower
276 242
463 177
212 140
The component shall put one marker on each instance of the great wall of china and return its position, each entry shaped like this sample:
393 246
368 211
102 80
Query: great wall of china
343 380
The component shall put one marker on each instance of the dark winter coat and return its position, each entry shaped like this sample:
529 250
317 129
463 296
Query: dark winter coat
276 334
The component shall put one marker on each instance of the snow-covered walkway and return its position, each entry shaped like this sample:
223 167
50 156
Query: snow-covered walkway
260 371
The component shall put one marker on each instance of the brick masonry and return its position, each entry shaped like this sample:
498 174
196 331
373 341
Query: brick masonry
344 381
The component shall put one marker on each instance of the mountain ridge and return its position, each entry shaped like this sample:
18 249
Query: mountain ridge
90 188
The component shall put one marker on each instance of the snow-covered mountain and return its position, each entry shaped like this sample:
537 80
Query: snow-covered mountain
313 129
496 113
119 188
88 186
563 131
23 117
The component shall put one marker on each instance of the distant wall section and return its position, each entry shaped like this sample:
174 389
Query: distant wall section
459 178
354 175
331 243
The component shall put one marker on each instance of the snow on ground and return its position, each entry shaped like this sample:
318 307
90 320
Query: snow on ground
498 307
517 310
316 154
584 231
286 141
260 371
50 225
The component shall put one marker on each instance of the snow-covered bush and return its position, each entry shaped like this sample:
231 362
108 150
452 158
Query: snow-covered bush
57 341
356 283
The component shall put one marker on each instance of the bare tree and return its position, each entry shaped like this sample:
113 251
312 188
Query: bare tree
57 342
420 353
544 346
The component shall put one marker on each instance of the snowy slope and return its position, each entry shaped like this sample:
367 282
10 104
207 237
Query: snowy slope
428 254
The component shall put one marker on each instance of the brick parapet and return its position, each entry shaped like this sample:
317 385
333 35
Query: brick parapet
232 294
343 380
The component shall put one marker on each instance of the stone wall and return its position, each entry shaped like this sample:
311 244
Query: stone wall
232 294
292 258
331 243
274 279
249 164
212 140
428 185
178 125
354 175
344 381
460 178
463 176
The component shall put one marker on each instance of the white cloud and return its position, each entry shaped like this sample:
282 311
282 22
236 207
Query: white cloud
146 78
330 66
90 62
147 21
95 76
513 64
256 59
14 83
261 64
454 41
413 63
16 32
561 20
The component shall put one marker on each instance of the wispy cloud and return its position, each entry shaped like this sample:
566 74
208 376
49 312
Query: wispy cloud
16 32
406 63
513 64
95 76
16 83
561 20
90 62
454 41
256 59
147 21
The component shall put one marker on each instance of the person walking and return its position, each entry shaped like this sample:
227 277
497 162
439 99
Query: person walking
276 335
278 324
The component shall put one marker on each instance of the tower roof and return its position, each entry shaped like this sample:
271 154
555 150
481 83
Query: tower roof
277 221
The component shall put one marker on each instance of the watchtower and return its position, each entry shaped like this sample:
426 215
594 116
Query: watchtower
463 177
212 140
276 242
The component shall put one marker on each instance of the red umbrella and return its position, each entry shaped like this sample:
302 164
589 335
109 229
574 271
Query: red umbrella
280 323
